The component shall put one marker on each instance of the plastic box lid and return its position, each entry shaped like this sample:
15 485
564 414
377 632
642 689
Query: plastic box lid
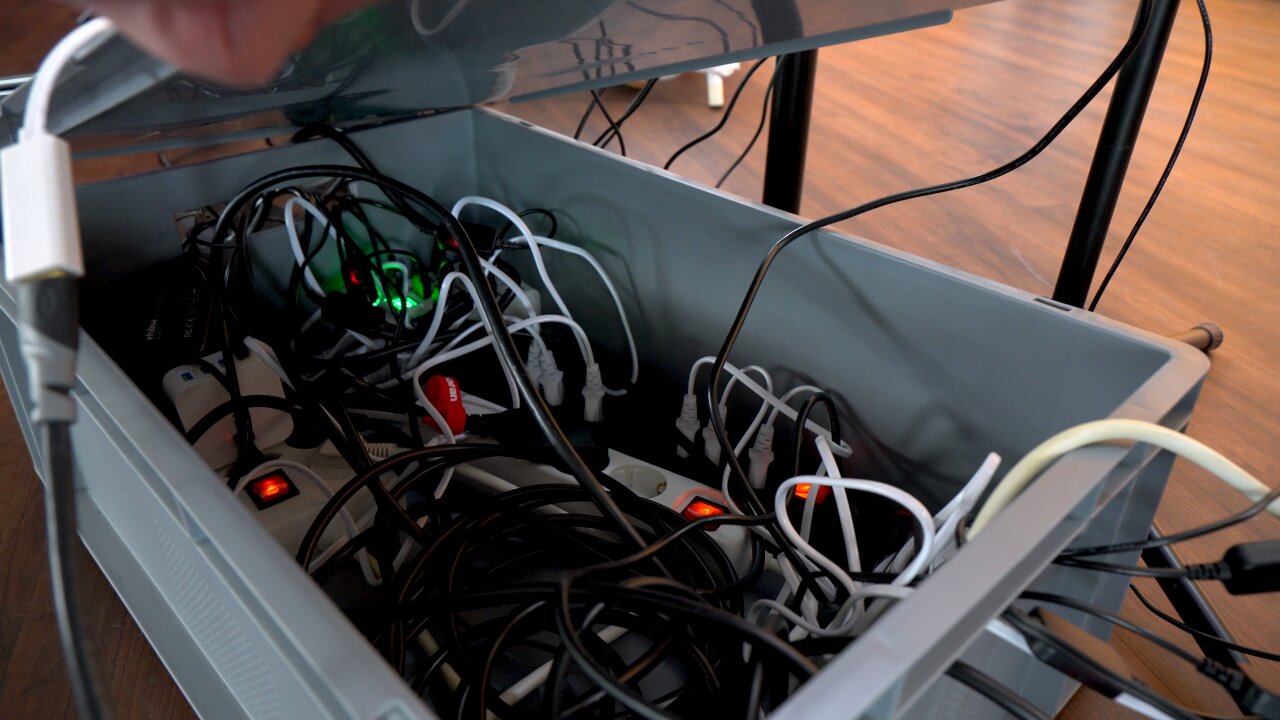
406 57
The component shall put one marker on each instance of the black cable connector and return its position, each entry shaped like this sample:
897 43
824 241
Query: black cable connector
1253 568
1245 570
1251 697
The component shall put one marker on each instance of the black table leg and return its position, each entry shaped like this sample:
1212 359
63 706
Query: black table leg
1111 158
789 130
1191 606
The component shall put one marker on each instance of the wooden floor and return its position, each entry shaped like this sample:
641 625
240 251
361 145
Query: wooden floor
895 113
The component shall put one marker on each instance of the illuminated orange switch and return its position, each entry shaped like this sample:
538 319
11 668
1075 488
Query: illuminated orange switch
272 488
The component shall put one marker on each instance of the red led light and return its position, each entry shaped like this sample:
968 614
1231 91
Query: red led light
803 490
699 508
354 277
270 489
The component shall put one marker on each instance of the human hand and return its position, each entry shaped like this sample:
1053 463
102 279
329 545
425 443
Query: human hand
237 42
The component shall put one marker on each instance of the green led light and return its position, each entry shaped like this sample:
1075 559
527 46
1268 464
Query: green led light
397 304
394 271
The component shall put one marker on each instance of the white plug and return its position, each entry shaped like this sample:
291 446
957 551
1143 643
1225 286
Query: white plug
535 297
37 192
687 423
760 455
711 444
41 226
533 365
552 380
593 395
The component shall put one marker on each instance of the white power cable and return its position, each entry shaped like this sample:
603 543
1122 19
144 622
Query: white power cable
788 396
447 20
842 506
964 500
613 293
1101 431
446 284
291 229
842 450
487 341
521 689
584 344
897 495
950 516
76 44
534 250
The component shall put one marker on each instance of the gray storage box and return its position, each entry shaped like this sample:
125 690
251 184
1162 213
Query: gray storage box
945 365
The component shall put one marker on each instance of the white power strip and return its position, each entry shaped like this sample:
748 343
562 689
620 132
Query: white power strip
288 520
648 481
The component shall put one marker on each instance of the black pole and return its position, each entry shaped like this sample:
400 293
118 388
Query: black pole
789 129
1111 158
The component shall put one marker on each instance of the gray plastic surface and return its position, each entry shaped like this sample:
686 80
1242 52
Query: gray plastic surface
907 341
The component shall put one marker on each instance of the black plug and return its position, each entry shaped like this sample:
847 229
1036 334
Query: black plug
1252 698
1254 568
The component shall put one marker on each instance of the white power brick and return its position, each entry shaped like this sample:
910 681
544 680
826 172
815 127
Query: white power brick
195 393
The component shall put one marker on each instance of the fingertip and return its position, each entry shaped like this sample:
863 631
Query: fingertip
236 43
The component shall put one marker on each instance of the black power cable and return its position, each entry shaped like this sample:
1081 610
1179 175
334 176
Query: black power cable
1208 637
613 124
1173 157
1056 652
724 117
993 690
607 136
49 333
1114 619
488 307
1205 571
1074 660
764 117
802 419
1248 513
64 567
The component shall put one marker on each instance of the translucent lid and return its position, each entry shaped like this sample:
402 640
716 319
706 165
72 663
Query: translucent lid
411 56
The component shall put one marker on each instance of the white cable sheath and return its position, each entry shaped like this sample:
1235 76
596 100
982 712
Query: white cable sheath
613 293
854 558
1140 706
1101 431
41 225
76 43
534 249
291 229
912 505
842 450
